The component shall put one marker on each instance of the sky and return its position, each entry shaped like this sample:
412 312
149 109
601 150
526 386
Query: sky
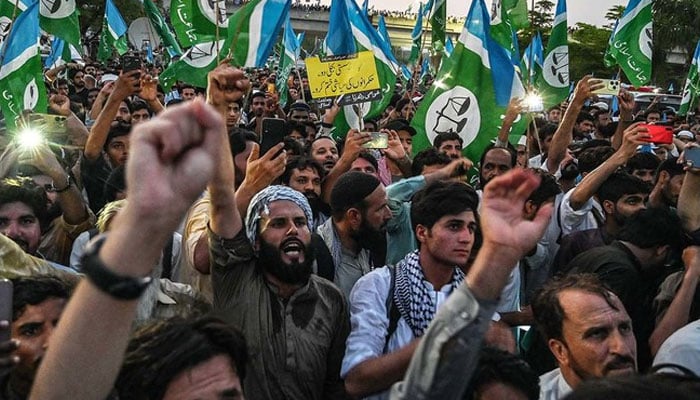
588 11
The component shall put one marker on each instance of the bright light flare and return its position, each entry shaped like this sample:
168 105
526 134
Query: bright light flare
29 138
533 102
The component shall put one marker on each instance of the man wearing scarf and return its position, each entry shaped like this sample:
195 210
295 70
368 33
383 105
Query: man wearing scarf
444 220
295 323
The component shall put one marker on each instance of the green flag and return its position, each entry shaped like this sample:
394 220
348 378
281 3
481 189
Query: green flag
438 17
195 64
113 33
553 81
161 27
507 17
253 30
60 18
691 90
288 59
517 13
470 89
416 36
631 44
195 21
21 80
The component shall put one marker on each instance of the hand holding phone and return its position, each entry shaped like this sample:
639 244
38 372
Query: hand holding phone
692 156
273 131
610 86
660 134
380 140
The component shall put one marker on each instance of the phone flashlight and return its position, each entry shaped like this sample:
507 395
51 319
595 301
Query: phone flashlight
534 103
29 138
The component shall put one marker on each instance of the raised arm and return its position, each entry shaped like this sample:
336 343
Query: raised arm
634 136
353 146
170 163
515 108
396 153
149 93
678 312
226 84
75 211
126 85
448 353
260 173
626 102
77 132
689 198
564 133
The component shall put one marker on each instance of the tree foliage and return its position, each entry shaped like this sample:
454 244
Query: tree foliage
92 14
676 25
614 13
587 45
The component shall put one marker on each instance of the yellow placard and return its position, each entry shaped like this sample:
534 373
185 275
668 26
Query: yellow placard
330 78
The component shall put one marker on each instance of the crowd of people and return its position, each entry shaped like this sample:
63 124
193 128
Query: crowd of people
162 254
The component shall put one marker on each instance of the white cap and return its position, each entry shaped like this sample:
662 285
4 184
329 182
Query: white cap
601 105
108 78
685 135
522 141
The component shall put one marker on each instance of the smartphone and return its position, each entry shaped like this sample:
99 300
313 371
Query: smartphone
130 62
48 123
611 86
692 157
660 134
5 308
534 104
380 140
273 131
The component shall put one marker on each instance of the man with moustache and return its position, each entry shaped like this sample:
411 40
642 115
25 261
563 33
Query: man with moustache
77 91
305 175
588 331
67 213
295 322
107 146
41 227
356 232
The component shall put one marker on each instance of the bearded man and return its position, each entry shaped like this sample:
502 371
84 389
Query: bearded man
295 323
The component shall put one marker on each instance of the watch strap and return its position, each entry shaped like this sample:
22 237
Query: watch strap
118 286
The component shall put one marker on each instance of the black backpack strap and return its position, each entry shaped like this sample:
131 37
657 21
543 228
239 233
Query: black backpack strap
168 260
93 232
324 259
392 311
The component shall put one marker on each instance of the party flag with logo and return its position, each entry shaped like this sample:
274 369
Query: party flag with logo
471 89
21 80
553 81
630 45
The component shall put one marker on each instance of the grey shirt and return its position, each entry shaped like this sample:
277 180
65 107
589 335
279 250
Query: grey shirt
295 345
446 357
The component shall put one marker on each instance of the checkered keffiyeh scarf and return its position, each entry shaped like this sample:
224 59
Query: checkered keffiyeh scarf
412 295
260 202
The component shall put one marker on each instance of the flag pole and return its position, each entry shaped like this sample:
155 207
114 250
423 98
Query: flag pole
301 85
216 24
422 45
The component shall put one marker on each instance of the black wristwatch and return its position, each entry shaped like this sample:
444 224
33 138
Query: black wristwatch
118 286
